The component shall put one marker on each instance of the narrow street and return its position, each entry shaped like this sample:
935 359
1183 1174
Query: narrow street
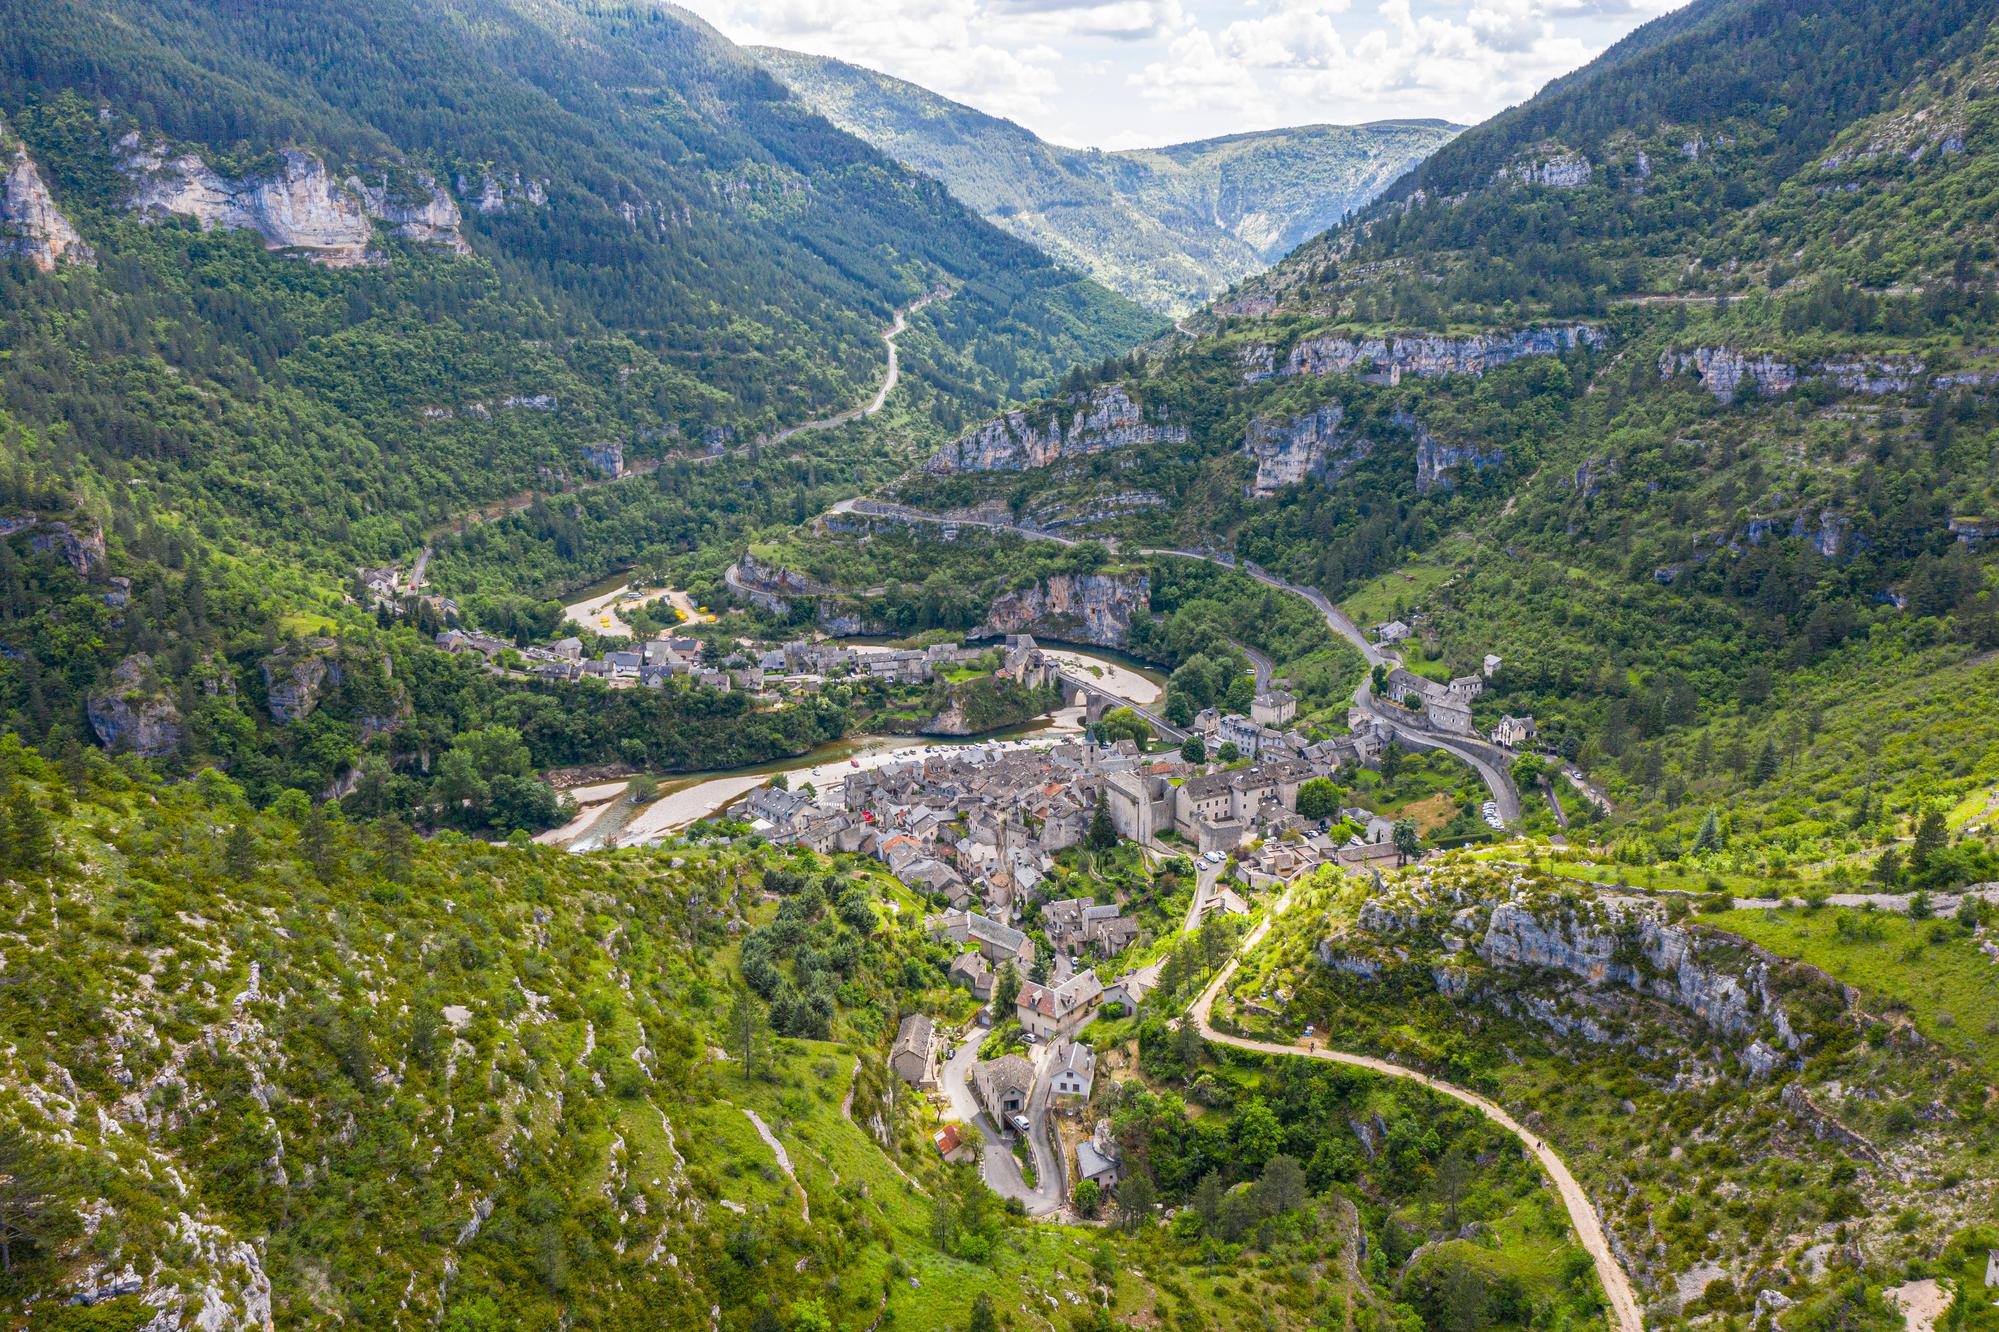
998 1166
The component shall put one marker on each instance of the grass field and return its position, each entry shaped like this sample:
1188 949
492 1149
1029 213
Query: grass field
1927 970
1394 592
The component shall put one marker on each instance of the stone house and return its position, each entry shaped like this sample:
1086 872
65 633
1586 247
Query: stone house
1514 732
1002 1087
1072 1072
1393 631
1275 708
971 970
1053 1013
1097 1158
910 1055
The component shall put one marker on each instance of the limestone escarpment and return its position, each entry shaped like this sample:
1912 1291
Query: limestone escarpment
1077 608
133 713
1420 354
1559 169
1105 418
1437 463
1730 373
1308 447
298 207
1479 940
31 226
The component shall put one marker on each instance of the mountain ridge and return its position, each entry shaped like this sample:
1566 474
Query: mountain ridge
1167 225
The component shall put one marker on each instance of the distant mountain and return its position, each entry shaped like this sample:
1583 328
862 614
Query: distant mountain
1168 227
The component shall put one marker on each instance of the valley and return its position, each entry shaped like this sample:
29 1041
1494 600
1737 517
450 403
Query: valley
647 682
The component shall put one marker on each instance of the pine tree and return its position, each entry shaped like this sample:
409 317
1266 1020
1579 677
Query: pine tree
1103 836
1709 836
1766 764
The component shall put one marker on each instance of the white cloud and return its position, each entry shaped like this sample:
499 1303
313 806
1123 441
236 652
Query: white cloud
1123 73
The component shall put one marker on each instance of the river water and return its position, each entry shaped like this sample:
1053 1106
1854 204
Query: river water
612 820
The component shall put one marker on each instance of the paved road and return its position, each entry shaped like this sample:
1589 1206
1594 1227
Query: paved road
1589 1229
1488 761
889 379
998 1166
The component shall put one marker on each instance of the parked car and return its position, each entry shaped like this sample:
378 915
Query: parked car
1020 1125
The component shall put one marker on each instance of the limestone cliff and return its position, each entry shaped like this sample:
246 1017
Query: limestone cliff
31 226
296 678
1421 354
133 713
1077 608
300 207
1728 373
1437 463
1308 447
1104 418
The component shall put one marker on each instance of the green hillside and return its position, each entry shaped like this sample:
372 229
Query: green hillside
1727 537
1168 227
600 239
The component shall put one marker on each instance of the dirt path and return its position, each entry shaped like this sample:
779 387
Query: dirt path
1616 1285
783 1160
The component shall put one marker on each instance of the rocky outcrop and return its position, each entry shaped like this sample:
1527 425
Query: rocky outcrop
296 678
1421 354
31 226
300 207
1974 532
419 210
1559 171
490 194
1104 418
1076 608
83 549
1437 463
1308 447
1728 373
1726 984
134 713
607 458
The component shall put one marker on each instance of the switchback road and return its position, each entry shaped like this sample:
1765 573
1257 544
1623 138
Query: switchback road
1582 1214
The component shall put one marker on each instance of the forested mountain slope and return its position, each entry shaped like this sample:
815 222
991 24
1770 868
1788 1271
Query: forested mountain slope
1169 227
289 290
1674 391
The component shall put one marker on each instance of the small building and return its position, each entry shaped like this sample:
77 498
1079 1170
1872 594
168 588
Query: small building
1492 665
1002 1087
950 1143
910 1055
972 971
1060 1011
1275 708
1514 732
1072 1073
1097 1158
1394 631
1446 713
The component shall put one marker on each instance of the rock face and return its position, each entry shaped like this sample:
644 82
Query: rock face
295 679
1646 954
492 193
607 458
84 550
1728 373
1560 171
1078 608
1105 418
1309 447
1418 353
134 712
31 225
300 207
1437 463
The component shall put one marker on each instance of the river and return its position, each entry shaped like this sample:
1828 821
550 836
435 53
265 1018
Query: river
607 818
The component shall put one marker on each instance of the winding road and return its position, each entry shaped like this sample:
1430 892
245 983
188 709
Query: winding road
888 336
1582 1215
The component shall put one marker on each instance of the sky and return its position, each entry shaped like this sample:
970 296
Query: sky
1140 73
